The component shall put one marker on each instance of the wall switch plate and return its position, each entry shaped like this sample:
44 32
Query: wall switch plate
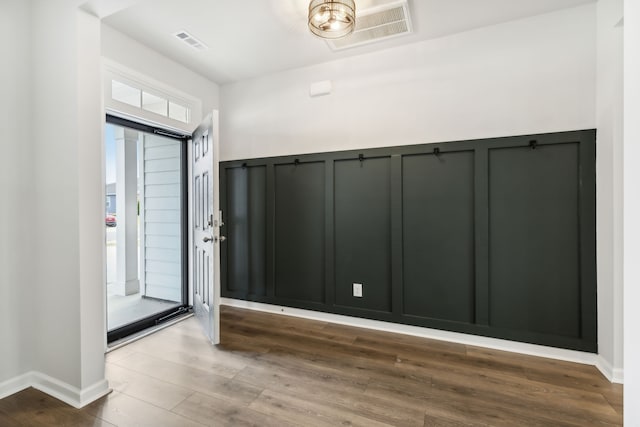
357 290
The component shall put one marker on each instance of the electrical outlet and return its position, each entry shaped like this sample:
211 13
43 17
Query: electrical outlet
357 290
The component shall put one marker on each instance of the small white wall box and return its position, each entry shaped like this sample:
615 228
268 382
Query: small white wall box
357 290
320 88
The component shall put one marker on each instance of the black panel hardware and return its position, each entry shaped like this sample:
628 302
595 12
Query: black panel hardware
436 151
533 144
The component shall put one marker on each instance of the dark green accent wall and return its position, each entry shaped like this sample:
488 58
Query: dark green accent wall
246 230
438 236
299 231
534 239
362 206
494 237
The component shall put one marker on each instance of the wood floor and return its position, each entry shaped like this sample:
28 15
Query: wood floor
278 371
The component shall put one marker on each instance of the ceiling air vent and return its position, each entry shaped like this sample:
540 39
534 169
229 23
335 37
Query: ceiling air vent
376 24
190 40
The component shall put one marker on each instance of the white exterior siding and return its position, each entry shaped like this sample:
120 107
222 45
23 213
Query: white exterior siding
161 219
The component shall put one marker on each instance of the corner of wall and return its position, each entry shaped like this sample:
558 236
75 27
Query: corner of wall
613 374
67 393
14 385
631 212
16 187
609 160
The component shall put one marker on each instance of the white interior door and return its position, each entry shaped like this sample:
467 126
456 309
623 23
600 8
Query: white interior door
205 220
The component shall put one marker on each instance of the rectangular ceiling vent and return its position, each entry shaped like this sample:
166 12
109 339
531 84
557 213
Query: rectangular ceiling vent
376 24
190 40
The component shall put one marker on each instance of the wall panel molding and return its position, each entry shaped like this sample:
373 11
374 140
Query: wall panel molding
491 237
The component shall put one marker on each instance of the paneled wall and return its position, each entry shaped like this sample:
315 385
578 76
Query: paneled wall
494 237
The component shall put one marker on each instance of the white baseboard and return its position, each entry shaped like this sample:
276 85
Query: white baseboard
14 385
67 393
614 375
60 390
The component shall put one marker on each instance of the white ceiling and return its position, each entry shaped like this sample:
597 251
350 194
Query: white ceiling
249 38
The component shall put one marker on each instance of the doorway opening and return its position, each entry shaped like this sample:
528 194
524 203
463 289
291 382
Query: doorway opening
145 226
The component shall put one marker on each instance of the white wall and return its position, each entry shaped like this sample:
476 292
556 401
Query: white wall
90 176
68 291
56 303
631 212
609 185
16 188
52 292
528 76
130 53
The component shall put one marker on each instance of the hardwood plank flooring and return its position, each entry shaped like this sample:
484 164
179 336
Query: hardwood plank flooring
273 370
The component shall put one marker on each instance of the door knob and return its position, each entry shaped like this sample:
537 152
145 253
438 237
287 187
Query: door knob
222 239
207 239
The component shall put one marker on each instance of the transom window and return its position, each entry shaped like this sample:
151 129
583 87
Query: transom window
135 97
132 95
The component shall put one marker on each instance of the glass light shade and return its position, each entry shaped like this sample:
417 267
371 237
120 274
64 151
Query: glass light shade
332 19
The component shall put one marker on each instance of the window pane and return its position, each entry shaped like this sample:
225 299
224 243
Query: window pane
154 104
178 112
125 93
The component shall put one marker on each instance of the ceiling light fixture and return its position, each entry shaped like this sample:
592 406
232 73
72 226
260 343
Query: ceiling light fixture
332 19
